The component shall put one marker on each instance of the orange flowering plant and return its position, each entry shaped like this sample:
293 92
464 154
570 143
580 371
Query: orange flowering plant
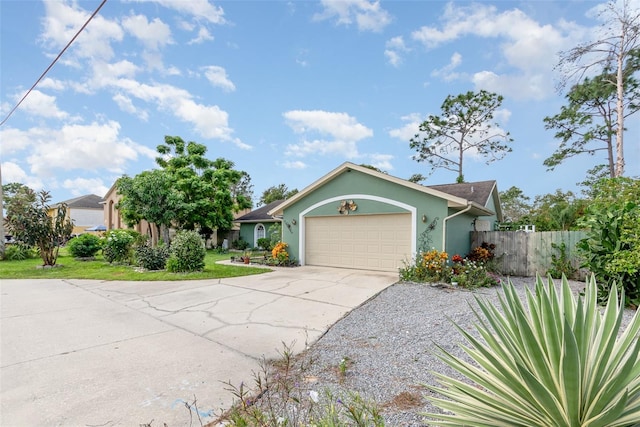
279 252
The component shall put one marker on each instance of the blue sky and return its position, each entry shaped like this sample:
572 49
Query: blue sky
288 90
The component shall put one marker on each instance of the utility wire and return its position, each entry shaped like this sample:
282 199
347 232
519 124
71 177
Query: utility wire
53 63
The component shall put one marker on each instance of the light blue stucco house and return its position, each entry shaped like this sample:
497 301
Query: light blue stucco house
356 217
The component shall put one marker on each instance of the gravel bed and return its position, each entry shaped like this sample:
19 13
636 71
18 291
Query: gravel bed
388 346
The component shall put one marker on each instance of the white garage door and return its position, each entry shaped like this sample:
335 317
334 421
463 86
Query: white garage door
370 242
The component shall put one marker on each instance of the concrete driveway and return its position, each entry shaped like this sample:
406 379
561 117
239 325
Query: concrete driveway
92 353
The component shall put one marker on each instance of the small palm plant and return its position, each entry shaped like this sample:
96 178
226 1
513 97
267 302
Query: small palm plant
562 362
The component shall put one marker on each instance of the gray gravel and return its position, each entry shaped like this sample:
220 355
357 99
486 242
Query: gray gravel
388 345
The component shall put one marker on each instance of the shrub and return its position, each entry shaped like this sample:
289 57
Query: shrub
151 258
118 246
187 252
483 253
240 244
85 246
279 253
561 263
612 247
561 362
264 243
18 252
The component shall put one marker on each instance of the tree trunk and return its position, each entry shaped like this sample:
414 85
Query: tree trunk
620 110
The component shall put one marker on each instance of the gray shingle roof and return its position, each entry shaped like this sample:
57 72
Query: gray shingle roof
260 214
89 201
478 192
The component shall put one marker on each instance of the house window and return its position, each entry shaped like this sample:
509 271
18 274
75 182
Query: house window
258 233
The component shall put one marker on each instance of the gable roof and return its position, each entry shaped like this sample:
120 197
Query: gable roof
453 201
479 192
260 214
89 201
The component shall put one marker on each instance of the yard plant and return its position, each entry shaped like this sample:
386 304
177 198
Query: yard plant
560 362
187 252
85 246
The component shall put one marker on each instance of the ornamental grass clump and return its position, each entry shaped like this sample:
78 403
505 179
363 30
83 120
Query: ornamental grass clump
559 362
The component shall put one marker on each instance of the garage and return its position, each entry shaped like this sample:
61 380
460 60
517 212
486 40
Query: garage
372 242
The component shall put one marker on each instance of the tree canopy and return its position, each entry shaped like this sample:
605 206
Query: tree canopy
189 190
276 192
588 123
614 55
465 126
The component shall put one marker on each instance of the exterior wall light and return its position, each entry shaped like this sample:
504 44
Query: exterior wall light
424 218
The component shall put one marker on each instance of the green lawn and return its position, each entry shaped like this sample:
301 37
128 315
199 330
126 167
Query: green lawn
69 268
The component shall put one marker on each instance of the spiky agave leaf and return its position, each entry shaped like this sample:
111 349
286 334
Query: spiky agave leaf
559 361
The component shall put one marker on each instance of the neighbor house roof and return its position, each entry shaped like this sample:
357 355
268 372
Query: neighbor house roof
479 192
453 201
89 201
260 214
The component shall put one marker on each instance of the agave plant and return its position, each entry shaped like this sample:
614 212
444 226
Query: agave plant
561 362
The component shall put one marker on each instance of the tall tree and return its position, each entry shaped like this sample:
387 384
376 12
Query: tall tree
557 211
29 222
204 186
619 40
588 123
465 126
515 204
276 192
149 196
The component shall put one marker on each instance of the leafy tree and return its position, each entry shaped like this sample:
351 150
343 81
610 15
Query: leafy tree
612 246
588 123
465 126
29 222
276 192
203 186
15 190
149 196
609 55
417 178
594 175
243 188
557 211
515 205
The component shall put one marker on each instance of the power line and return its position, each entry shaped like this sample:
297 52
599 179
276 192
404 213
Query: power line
53 63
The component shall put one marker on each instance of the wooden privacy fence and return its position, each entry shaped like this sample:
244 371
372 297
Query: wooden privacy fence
522 253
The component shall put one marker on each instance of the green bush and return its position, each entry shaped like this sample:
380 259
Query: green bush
559 361
264 243
187 252
240 244
611 249
84 246
152 258
561 263
118 246
17 252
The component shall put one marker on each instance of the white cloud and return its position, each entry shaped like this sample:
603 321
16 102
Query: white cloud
153 34
62 22
39 104
12 172
54 84
294 165
411 127
198 9
217 76
82 186
368 15
88 147
209 121
203 35
381 161
394 48
447 72
339 125
126 105
343 131
527 46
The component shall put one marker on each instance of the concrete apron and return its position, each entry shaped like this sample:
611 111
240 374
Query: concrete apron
91 353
